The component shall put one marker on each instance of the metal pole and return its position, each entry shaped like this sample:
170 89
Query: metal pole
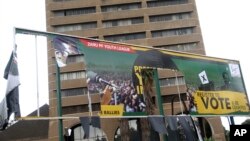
37 79
158 94
5 97
76 117
178 90
59 103
231 118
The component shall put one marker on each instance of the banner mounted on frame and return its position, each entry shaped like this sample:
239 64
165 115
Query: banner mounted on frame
214 86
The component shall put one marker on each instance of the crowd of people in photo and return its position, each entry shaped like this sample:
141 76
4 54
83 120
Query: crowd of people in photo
124 92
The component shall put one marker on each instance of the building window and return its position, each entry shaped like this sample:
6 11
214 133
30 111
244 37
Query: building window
80 108
74 92
75 27
95 134
73 75
159 3
172 81
180 47
75 58
124 37
169 98
71 12
120 7
169 17
122 22
172 32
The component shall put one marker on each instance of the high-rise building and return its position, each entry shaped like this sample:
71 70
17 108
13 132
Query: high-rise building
168 24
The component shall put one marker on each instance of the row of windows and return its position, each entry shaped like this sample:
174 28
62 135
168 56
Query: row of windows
169 17
155 18
180 47
175 98
75 27
80 108
122 22
155 34
172 32
71 12
120 7
88 10
124 37
172 81
158 3
73 75
75 58
74 92
114 8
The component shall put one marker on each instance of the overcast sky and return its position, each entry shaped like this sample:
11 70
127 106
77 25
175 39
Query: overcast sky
225 29
28 14
224 24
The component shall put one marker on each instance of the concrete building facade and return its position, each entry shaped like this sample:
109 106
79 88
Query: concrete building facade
168 24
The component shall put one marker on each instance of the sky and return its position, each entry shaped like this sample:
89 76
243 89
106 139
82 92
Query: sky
28 14
224 25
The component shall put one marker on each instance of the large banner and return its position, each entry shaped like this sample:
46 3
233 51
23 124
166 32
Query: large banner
214 86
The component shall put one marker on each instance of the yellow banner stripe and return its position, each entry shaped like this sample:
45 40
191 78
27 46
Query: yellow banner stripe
220 102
